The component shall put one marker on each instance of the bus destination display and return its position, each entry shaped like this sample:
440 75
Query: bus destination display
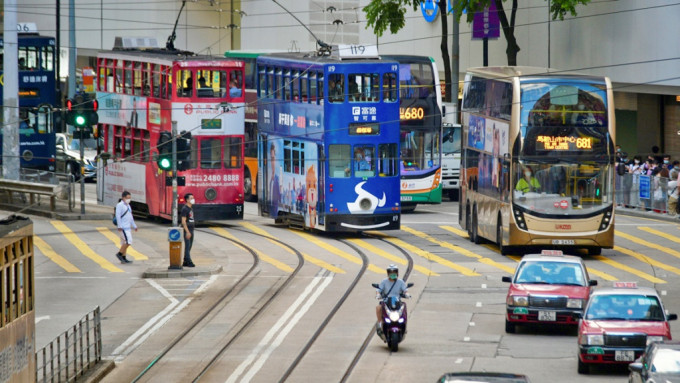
364 129
564 143
412 113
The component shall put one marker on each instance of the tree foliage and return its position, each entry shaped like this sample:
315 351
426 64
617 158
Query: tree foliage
384 14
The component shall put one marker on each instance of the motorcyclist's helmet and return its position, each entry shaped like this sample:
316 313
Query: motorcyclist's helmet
392 269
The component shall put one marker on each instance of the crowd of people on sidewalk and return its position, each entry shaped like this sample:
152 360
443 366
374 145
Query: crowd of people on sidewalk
658 192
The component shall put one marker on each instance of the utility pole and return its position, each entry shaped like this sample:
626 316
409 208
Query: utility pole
10 142
72 54
174 174
455 62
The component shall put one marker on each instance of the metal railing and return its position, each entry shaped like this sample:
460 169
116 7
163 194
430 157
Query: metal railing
645 192
72 353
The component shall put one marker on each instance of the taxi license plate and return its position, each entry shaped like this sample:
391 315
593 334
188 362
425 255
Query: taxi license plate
563 242
624 356
548 316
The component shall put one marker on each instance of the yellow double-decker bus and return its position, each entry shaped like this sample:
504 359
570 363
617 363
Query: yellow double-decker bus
538 159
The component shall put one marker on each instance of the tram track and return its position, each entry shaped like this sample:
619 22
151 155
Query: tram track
371 332
223 301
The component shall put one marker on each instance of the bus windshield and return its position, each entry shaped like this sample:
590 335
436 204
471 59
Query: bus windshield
419 150
563 165
451 140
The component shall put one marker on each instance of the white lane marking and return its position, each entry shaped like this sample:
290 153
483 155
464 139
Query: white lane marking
270 334
44 317
284 333
158 320
459 361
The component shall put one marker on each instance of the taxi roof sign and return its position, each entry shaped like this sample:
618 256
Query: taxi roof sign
626 285
552 252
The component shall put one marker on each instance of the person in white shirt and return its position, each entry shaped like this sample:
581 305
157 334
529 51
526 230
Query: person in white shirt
125 223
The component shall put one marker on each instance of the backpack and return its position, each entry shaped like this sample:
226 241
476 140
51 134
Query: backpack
621 168
115 221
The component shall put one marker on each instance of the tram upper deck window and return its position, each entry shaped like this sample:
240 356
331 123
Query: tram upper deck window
303 88
235 84
184 83
28 58
336 87
47 58
312 88
363 87
390 87
339 161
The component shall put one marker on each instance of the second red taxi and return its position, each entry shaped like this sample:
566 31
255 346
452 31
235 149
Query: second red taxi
618 323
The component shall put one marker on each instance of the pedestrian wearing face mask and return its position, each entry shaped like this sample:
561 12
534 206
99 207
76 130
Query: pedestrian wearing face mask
188 224
125 223
636 169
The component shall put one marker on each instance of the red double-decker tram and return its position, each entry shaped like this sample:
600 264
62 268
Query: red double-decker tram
142 93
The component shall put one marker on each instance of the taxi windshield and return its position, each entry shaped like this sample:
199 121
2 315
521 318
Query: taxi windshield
554 273
625 307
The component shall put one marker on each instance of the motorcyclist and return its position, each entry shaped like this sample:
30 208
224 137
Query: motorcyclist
392 286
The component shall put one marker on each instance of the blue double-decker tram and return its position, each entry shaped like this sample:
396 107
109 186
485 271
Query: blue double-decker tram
37 98
328 141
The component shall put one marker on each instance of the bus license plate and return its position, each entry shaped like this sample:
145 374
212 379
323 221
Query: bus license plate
548 316
624 356
563 242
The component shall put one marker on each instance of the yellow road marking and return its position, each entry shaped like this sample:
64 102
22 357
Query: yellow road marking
629 269
338 252
116 239
308 258
642 242
458 249
84 248
278 264
670 237
49 252
517 258
648 260
435 258
378 251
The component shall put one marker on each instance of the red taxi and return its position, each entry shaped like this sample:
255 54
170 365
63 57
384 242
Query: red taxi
618 323
547 288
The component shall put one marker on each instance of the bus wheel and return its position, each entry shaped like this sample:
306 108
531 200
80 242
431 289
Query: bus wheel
476 239
453 194
504 250
595 251
247 186
408 208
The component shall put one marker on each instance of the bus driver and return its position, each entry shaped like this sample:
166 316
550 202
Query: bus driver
528 183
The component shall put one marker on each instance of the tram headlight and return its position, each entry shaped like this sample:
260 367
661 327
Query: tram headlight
210 194
365 204
519 219
606 220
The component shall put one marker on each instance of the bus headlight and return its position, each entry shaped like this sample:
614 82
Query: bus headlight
519 219
606 220
575 303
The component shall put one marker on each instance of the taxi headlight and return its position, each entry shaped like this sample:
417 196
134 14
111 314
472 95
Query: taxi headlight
575 303
593 340
652 339
518 300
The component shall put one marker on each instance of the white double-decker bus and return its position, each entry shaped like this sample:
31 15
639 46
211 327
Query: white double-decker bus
538 159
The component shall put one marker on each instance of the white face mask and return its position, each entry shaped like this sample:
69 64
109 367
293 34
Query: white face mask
127 200
527 173
637 162
192 201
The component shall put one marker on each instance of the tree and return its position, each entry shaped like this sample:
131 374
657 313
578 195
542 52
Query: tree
382 14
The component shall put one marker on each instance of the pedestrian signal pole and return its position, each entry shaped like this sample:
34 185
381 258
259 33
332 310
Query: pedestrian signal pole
174 174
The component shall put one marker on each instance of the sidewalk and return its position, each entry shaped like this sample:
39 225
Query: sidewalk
20 204
635 212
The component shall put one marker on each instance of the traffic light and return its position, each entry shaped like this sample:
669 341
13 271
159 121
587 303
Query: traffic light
82 111
164 146
184 151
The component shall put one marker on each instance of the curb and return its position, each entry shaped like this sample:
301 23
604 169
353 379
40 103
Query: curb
646 214
98 373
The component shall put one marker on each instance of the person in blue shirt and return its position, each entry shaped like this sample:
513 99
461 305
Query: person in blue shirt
360 162
392 286
234 90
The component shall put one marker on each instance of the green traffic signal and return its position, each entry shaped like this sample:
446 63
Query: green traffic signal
164 163
80 120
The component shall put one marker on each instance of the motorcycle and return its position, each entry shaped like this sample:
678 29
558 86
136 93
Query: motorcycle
392 329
